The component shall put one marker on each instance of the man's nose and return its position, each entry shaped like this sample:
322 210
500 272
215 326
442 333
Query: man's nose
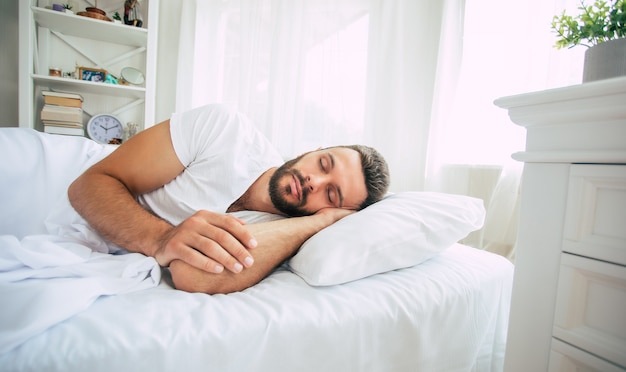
315 182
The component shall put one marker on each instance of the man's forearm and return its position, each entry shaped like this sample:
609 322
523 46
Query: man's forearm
110 208
277 241
104 194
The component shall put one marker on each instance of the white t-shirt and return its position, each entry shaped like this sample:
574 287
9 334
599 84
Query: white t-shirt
224 153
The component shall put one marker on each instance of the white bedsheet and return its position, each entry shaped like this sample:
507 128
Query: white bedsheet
447 314
45 279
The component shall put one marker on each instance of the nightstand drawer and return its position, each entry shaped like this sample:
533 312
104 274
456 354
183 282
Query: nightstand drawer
566 358
595 223
590 310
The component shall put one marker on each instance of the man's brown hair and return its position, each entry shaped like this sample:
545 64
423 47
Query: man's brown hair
376 172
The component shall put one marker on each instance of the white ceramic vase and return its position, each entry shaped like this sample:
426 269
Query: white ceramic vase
605 60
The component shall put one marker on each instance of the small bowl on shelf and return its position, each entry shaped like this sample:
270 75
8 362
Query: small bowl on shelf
96 10
94 15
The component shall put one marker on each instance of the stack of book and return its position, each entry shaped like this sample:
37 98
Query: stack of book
62 113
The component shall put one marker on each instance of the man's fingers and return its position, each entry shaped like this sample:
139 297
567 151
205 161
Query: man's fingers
336 213
216 240
231 235
220 248
210 242
235 227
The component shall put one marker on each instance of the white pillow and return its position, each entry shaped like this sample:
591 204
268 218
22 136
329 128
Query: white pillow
402 230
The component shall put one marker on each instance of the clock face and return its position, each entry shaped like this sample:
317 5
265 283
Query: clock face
104 127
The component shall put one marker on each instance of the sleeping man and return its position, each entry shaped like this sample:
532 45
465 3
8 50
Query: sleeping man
164 193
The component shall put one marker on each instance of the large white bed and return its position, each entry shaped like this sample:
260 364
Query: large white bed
448 313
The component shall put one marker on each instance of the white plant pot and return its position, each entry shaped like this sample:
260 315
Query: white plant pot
605 60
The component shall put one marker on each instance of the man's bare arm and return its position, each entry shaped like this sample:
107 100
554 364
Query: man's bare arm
278 240
105 196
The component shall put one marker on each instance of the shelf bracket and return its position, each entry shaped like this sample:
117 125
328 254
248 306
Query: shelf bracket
136 102
120 110
105 65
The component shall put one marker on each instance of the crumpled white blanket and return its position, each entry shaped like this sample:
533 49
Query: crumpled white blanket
52 264
45 279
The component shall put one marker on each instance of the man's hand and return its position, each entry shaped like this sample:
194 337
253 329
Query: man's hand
208 241
335 214
277 241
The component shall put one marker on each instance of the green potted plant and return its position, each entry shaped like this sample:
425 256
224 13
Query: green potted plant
602 28
67 8
117 18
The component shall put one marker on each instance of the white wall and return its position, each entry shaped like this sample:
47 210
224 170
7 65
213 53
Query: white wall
167 59
8 63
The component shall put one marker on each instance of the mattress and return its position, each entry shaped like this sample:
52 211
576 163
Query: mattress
449 313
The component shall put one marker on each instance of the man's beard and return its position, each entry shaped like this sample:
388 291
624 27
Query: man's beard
277 192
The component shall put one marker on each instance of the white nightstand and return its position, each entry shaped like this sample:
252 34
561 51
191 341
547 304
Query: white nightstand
569 292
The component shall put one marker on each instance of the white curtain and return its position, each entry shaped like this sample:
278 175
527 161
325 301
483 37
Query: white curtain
506 48
297 67
320 72
414 78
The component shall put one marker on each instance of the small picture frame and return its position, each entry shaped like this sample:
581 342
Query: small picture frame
92 74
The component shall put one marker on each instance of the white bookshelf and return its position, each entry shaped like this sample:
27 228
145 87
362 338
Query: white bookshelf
50 38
